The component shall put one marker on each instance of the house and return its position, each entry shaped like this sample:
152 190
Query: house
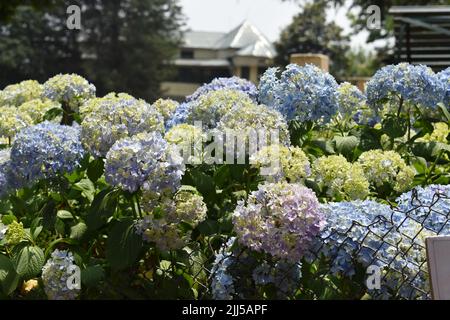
244 52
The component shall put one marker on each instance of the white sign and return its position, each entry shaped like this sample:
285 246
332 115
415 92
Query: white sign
438 256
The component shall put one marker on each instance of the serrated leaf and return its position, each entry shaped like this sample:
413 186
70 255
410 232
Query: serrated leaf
123 245
8 276
28 260
346 145
77 231
394 127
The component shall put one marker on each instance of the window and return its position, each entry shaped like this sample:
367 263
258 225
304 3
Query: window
245 72
187 54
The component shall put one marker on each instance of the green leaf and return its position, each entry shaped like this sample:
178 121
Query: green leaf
64 214
123 245
103 206
444 111
394 126
52 114
28 260
92 275
95 169
204 184
86 187
9 278
346 145
77 231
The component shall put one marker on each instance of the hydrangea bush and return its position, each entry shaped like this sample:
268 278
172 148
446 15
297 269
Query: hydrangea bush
116 198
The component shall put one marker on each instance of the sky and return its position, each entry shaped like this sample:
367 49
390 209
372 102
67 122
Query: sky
269 16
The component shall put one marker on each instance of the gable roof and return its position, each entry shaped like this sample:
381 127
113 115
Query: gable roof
246 38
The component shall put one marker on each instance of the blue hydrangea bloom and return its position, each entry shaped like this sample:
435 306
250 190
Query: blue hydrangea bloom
444 76
415 84
303 93
55 276
180 115
233 83
44 151
144 160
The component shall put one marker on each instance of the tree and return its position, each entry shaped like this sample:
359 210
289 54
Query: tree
123 45
362 63
309 32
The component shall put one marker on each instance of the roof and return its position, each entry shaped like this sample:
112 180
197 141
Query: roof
245 38
422 35
202 62
202 39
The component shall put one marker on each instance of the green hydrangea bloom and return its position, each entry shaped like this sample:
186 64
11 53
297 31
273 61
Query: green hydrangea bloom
187 206
289 163
382 167
15 233
19 93
439 134
211 107
341 178
12 121
189 140
166 107
37 108
90 105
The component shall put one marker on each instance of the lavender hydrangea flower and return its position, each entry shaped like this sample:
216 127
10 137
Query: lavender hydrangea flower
233 83
55 276
44 151
415 84
280 219
301 93
115 118
144 160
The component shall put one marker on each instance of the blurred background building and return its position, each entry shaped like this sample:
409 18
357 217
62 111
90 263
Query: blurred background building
244 52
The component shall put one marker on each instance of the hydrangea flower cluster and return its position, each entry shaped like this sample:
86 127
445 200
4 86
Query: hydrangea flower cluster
280 219
211 107
281 162
415 84
16 94
165 235
55 276
428 206
44 151
244 120
370 233
145 160
115 118
233 83
238 274
342 179
301 93
37 109
166 107
189 140
186 206
381 167
352 105
163 225
4 171
15 233
444 76
90 105
12 121
180 115
71 90
439 134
